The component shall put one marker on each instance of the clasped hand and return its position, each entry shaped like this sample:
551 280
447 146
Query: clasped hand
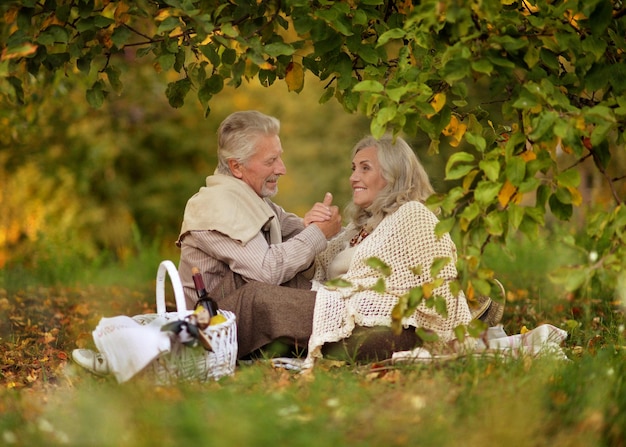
325 215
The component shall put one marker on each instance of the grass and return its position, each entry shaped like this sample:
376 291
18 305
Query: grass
47 400
472 403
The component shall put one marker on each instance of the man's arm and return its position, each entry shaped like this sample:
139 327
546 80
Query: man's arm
273 264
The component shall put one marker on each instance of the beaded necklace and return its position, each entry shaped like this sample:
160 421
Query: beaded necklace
359 237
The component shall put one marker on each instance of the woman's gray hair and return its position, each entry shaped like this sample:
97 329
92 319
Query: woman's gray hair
237 137
406 178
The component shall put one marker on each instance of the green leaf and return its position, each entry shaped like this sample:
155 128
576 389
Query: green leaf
211 54
476 327
563 195
482 66
378 265
380 286
516 214
17 87
444 226
494 222
441 306
279 49
214 84
113 74
417 270
96 94
515 170
337 283
476 140
176 92
121 35
52 35
437 265
491 169
487 191
414 297
368 86
229 56
562 211
392 34
570 178
456 167
459 333
166 61
426 336
543 124
368 54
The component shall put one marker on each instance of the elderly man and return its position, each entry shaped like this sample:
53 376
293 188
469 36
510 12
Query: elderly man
245 245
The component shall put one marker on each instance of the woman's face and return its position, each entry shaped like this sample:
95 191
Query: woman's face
367 177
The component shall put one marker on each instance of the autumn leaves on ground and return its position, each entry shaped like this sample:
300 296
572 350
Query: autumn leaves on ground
40 327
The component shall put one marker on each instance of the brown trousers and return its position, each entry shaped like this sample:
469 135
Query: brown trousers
268 313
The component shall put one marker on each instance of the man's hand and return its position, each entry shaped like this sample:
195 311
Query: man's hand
325 215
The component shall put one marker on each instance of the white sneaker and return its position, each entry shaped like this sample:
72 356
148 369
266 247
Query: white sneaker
92 361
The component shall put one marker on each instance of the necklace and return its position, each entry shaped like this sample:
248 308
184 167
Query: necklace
359 237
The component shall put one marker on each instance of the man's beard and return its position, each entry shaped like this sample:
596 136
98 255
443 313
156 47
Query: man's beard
266 192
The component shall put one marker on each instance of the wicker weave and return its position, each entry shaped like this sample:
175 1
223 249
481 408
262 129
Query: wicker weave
185 363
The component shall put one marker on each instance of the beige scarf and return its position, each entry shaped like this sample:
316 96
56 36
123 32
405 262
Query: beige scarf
230 206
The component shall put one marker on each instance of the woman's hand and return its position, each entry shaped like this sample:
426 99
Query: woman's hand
325 215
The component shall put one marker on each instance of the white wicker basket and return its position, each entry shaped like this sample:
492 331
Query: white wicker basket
185 363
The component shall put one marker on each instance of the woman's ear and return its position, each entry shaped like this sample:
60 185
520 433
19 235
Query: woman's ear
235 168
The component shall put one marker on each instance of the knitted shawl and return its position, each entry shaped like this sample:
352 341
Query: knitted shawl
403 240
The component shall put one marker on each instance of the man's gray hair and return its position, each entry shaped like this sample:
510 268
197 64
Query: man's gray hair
237 136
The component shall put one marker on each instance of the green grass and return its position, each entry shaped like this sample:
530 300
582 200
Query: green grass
471 403
47 400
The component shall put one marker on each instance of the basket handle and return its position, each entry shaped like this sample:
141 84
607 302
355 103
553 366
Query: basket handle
169 267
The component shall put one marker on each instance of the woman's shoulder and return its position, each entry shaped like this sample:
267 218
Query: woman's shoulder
415 208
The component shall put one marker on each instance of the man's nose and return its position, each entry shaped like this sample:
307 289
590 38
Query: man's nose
280 167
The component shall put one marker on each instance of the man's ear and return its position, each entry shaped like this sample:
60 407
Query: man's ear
235 168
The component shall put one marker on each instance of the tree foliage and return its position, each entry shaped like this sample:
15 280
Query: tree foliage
516 86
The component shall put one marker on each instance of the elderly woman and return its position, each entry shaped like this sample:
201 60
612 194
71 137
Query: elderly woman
387 220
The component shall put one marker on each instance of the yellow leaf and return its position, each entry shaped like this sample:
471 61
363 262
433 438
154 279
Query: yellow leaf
523 330
469 179
428 290
528 8
405 7
470 293
23 50
11 15
452 126
162 15
438 101
528 156
577 198
505 194
458 135
121 13
294 77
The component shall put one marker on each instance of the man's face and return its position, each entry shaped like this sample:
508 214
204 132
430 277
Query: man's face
261 171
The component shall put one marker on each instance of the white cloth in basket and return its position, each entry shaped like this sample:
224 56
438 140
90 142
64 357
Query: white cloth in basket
129 346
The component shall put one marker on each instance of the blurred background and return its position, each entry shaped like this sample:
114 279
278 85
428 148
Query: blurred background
80 185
